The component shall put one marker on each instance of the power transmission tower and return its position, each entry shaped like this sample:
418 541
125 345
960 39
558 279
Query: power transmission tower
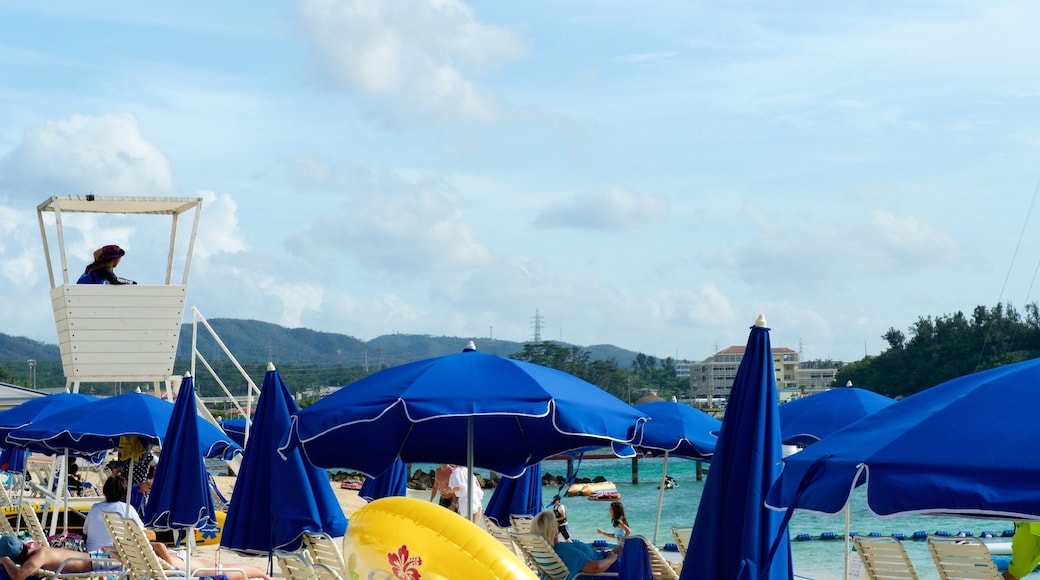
536 324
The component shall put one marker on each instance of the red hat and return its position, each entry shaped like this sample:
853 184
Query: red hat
112 252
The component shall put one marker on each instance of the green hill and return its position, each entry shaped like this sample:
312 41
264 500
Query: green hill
253 343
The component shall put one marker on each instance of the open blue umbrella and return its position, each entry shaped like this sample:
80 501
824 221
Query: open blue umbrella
392 482
99 426
235 429
180 496
916 457
676 429
469 409
516 495
277 499
807 420
33 410
733 531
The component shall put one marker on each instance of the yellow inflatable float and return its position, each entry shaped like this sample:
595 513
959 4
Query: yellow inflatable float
412 539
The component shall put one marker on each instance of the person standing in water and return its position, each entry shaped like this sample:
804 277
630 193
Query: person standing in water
561 517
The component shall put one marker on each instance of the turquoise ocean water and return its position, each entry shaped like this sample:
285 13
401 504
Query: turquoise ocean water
816 559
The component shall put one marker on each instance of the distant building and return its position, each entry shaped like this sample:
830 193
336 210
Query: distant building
683 368
712 379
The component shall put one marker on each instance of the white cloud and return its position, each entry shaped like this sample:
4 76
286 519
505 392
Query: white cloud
80 154
615 208
410 59
388 222
796 249
219 229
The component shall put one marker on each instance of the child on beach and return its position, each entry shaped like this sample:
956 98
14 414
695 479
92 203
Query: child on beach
619 522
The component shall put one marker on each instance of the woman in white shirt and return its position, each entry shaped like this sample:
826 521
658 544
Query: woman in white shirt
115 502
461 481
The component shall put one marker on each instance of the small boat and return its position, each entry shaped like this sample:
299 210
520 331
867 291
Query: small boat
587 489
669 483
355 485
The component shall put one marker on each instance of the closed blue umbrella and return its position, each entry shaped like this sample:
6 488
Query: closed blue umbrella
733 531
516 495
392 482
277 499
99 426
12 459
807 420
180 496
916 456
470 409
676 429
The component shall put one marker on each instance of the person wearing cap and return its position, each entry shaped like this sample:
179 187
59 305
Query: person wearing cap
101 270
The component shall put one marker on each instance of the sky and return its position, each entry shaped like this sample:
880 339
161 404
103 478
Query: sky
652 176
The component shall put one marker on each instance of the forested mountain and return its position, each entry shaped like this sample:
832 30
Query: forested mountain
929 352
313 358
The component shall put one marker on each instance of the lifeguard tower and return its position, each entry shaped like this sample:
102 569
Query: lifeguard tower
125 333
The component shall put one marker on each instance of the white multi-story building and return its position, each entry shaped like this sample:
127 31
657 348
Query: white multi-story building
712 379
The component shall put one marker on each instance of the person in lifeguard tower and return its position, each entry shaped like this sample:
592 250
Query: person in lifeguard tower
101 270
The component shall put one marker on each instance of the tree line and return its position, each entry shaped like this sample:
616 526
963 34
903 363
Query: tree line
628 384
935 350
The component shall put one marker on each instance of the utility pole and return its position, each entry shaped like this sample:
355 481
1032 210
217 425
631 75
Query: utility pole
32 372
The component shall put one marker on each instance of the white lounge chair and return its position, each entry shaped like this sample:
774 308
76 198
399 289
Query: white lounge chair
322 550
548 562
682 539
884 559
295 566
962 559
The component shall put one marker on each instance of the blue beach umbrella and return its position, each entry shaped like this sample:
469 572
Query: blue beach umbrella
676 429
180 496
33 410
520 495
807 420
733 531
916 456
99 425
235 429
12 459
277 499
392 482
24 415
469 409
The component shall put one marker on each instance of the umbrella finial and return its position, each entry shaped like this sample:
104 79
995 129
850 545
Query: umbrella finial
270 366
761 321
187 374
848 383
470 347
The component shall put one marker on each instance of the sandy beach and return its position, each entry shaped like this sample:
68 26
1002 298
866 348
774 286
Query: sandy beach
348 500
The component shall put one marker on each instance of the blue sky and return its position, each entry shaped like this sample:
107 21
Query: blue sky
649 176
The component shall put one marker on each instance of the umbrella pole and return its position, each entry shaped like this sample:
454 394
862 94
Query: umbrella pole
63 484
847 517
129 486
660 495
469 468
189 543
21 493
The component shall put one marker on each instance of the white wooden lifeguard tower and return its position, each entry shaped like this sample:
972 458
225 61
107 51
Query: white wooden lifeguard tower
125 333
